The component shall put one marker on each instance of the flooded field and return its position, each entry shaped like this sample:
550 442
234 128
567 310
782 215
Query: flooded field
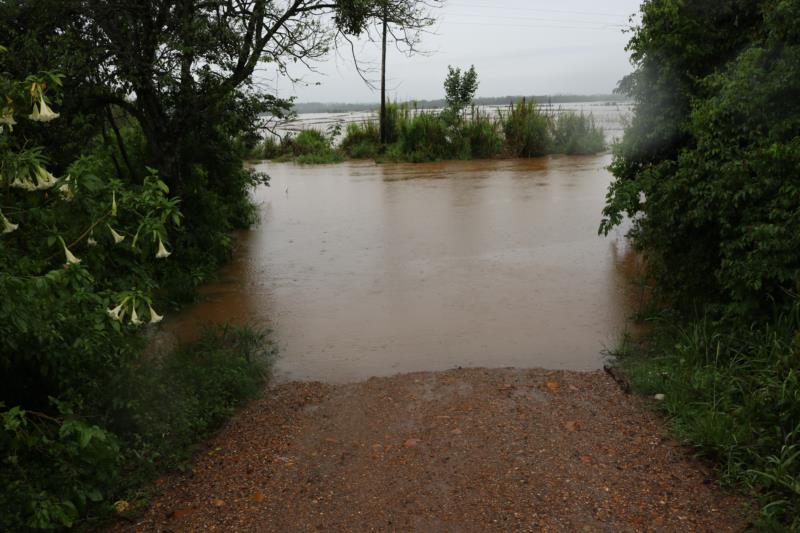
611 116
368 270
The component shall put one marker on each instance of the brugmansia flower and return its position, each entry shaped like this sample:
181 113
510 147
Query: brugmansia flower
155 318
134 317
43 113
23 181
162 252
45 179
66 192
117 237
90 241
116 313
7 118
71 259
8 227
113 203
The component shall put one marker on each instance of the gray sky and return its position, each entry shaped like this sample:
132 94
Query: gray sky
517 47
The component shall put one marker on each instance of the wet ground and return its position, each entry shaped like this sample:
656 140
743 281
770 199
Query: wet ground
368 270
462 451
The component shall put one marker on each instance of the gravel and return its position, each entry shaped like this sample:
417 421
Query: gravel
460 450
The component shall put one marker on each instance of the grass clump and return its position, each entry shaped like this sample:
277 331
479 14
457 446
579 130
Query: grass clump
482 136
527 130
733 393
361 140
577 134
309 146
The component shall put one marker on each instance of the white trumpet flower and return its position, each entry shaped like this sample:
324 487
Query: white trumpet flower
113 203
117 237
116 313
43 113
90 241
155 318
7 119
134 317
71 259
45 179
66 192
162 252
23 182
8 227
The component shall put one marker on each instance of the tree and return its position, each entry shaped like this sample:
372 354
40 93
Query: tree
677 49
459 89
403 20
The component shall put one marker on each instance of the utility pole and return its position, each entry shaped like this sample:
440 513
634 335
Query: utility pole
384 133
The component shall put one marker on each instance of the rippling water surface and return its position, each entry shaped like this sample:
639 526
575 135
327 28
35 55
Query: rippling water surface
363 269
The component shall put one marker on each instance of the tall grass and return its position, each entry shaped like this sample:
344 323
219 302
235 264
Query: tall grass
425 137
419 135
527 130
577 134
733 392
482 135
361 140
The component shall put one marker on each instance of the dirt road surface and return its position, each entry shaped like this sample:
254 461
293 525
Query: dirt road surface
461 450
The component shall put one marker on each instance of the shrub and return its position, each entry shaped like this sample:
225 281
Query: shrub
576 134
526 129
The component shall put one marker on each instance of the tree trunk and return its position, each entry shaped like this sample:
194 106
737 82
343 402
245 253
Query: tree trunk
384 132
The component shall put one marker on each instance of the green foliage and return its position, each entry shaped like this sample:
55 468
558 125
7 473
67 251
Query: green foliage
53 468
576 134
267 148
167 404
459 89
57 468
707 171
526 130
734 394
425 137
83 263
309 146
361 140
482 135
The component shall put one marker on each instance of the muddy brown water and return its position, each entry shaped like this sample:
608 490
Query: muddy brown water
367 270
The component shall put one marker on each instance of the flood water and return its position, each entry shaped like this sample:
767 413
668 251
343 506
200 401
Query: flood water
367 270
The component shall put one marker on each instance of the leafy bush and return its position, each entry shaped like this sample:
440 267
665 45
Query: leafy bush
576 134
53 468
526 129
83 265
707 172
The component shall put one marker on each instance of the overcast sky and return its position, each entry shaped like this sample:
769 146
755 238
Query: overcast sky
517 47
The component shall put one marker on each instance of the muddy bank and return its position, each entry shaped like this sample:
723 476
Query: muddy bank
460 450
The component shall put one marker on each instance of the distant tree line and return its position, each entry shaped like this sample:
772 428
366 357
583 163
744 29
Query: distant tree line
334 107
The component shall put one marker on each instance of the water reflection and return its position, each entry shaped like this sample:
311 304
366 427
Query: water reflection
364 269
